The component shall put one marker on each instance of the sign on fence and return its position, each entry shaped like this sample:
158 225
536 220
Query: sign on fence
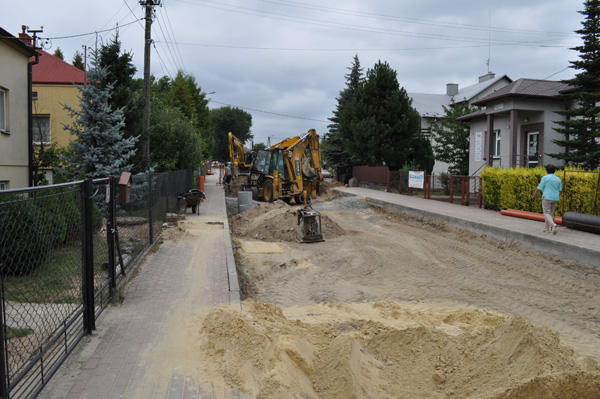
416 179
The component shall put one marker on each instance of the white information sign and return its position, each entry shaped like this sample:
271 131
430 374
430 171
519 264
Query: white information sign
416 179
478 146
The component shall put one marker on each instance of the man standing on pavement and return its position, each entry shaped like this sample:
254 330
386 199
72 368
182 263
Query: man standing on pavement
550 186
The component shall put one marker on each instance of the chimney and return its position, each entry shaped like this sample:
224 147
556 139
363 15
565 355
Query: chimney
451 89
24 37
487 76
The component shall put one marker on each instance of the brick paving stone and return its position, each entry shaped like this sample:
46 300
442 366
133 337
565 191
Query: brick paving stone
122 361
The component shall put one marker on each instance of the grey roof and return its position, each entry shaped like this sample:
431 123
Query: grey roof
431 104
470 92
473 115
526 88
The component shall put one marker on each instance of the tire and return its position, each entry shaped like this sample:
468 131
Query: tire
287 200
300 199
268 190
194 209
254 190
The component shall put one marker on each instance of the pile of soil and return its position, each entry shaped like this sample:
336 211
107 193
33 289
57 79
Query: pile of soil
389 350
277 221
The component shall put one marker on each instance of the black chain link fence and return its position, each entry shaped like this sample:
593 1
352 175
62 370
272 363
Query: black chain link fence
63 250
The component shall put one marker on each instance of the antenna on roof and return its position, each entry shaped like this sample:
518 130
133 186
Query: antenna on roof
489 39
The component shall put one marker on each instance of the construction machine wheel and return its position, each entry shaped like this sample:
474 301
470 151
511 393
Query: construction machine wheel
287 200
254 190
300 199
268 190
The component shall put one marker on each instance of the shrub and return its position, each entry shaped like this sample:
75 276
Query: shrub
25 235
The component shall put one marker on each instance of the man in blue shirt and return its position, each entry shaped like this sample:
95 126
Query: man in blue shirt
551 186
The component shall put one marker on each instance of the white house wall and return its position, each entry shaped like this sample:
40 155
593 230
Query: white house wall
14 144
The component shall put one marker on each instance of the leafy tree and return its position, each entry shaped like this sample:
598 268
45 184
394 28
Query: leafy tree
335 153
59 54
452 137
582 127
99 148
381 126
225 120
180 145
78 61
127 93
184 93
259 146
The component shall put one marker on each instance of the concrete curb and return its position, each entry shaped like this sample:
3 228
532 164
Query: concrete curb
535 242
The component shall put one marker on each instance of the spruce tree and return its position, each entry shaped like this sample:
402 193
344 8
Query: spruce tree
78 61
126 93
581 129
334 151
381 126
99 148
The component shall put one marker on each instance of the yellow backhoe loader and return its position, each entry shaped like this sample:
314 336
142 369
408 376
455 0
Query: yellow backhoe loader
291 169
241 158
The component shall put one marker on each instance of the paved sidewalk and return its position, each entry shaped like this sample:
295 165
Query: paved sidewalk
142 351
577 245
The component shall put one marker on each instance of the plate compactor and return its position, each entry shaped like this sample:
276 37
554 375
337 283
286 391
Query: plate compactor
309 221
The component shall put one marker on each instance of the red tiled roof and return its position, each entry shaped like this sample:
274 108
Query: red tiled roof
52 69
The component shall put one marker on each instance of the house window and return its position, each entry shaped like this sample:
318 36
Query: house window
34 95
3 111
41 129
496 143
3 185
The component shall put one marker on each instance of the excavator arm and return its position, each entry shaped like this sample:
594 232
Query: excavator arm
241 158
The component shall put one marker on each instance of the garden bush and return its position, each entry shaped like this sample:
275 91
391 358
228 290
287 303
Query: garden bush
25 235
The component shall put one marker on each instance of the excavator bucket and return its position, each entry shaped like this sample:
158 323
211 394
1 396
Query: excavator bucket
309 221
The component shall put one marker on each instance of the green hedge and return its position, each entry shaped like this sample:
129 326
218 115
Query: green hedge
513 188
25 235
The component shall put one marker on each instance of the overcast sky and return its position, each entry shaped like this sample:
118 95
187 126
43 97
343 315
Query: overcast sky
285 62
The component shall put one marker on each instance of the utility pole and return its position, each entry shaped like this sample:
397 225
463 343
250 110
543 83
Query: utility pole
149 4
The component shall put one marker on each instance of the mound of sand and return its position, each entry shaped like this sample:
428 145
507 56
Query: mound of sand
277 221
389 350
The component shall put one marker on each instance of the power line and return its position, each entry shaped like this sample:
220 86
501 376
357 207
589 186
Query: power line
359 49
411 20
90 33
168 45
173 33
269 112
291 18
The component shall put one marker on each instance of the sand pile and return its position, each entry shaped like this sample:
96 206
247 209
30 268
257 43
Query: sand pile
277 221
390 350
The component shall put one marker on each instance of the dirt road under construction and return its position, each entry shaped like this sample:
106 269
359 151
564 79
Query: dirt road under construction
389 306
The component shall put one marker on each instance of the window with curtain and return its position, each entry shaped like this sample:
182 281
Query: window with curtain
41 129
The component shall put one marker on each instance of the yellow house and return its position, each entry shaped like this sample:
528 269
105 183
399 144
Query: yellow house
54 83
54 86
14 112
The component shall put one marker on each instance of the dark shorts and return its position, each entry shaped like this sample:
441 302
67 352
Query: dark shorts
227 178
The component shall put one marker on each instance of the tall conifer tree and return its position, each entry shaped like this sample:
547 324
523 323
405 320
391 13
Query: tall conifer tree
581 129
99 148
335 153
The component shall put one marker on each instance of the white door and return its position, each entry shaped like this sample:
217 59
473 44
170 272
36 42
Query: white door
532 149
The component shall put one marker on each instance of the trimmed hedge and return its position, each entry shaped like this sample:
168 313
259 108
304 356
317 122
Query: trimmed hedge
513 188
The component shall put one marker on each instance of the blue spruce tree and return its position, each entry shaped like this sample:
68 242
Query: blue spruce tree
99 148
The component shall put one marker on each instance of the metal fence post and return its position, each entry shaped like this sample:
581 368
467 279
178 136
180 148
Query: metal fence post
110 233
3 360
150 232
89 319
